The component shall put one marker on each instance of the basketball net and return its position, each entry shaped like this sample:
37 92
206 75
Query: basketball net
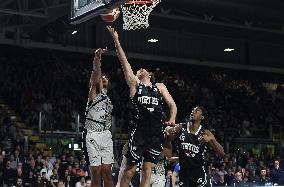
136 13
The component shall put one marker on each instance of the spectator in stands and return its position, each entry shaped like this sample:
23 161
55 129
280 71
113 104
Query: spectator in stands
32 167
18 157
54 178
88 181
61 183
221 181
238 180
8 174
19 182
81 183
38 182
251 165
13 161
229 177
253 178
46 170
264 180
19 174
275 173
44 179
30 180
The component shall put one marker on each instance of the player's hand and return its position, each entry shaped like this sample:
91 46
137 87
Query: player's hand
113 32
99 52
172 131
170 123
169 130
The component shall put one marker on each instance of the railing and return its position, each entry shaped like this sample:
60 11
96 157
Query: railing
54 130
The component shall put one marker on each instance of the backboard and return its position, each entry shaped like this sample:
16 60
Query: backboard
83 10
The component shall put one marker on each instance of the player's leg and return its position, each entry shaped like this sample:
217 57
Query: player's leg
93 149
95 176
107 158
121 170
127 175
147 168
134 156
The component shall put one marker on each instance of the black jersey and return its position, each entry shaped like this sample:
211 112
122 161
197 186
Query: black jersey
148 99
191 151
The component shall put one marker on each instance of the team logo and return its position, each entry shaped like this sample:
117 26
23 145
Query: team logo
182 137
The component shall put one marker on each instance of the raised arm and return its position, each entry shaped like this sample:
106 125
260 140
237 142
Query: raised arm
95 83
130 78
170 102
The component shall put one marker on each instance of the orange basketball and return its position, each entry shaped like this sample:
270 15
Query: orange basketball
111 15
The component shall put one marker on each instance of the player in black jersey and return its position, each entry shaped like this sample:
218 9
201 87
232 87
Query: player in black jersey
146 138
193 140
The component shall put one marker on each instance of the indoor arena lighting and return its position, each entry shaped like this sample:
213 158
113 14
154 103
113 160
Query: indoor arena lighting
228 50
153 40
74 32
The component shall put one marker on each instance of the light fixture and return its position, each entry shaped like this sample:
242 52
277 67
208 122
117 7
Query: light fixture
153 40
229 49
74 32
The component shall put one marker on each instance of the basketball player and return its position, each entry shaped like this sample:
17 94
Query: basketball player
147 135
98 138
192 142
158 178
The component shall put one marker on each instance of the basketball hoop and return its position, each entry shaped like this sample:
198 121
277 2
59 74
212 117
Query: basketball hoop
136 13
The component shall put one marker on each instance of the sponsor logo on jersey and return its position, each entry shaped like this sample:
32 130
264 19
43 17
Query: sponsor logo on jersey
148 100
190 147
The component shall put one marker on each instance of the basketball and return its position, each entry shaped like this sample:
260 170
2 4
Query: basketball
111 15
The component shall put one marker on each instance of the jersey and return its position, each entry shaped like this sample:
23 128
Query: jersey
146 132
191 151
98 112
147 102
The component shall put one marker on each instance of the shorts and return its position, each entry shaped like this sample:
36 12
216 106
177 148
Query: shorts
145 144
194 177
99 146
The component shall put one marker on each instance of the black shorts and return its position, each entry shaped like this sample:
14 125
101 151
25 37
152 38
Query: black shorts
146 143
194 177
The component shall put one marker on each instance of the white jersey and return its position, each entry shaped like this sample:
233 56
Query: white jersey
98 113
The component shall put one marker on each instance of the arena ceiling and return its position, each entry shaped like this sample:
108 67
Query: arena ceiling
229 18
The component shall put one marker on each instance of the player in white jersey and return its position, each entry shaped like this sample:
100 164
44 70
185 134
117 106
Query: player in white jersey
97 136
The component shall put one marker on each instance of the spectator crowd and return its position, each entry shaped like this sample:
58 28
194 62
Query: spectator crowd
56 84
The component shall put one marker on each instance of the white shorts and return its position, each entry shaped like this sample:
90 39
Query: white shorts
99 147
158 180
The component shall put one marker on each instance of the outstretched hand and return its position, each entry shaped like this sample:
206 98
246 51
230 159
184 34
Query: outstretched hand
113 32
172 131
99 52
